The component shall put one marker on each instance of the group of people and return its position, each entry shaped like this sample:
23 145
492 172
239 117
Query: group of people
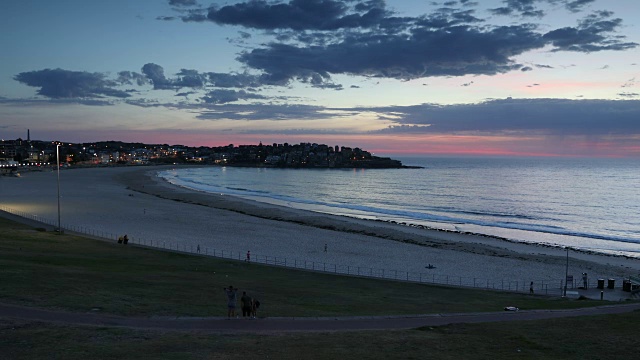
248 304
123 239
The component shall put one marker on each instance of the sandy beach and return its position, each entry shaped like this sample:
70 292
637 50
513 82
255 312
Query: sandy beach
133 200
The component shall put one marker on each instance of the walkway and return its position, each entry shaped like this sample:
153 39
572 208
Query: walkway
285 325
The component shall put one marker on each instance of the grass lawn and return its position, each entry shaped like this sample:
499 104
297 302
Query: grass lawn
44 269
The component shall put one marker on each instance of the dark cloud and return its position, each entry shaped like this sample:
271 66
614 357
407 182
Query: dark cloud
529 8
130 77
183 2
591 34
315 39
185 78
235 80
549 116
297 15
155 73
525 8
186 93
447 42
60 84
577 5
460 50
223 96
57 101
189 78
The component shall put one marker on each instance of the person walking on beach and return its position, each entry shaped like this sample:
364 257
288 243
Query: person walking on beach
231 301
246 302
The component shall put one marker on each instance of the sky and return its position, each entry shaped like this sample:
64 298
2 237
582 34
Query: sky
397 77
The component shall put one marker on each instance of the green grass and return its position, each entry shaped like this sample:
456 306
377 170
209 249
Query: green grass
44 269
593 337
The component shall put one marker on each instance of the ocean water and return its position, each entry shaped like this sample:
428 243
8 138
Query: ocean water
589 204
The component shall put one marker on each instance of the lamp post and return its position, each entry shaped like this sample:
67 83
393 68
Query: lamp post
58 161
566 274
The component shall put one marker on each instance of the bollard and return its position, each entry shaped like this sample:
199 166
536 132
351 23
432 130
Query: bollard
601 295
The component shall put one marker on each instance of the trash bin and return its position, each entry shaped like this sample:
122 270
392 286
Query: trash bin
611 284
626 285
600 283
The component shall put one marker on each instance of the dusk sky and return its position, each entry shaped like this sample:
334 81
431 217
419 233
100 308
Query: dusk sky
512 77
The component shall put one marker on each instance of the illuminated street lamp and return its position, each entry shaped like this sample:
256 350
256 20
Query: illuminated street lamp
58 160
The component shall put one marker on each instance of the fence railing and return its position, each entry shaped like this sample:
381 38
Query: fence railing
547 287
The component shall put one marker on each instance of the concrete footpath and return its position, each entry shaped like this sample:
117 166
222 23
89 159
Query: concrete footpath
286 325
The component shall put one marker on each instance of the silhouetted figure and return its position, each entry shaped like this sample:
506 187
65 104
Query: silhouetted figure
531 288
246 302
125 239
231 301
254 308
248 256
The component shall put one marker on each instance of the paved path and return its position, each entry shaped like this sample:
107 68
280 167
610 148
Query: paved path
284 325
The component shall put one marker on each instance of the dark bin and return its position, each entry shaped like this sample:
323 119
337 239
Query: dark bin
626 285
600 283
611 284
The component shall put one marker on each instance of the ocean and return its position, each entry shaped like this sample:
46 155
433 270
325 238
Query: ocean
587 204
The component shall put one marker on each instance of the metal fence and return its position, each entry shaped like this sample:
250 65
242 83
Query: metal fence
547 287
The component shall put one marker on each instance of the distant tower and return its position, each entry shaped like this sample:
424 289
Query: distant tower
28 135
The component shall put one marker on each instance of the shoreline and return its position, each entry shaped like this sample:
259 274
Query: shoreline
386 229
260 206
590 240
136 201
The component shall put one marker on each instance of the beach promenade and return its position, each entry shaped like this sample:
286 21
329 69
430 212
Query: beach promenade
133 201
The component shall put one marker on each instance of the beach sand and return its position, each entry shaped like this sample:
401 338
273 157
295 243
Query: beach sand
134 201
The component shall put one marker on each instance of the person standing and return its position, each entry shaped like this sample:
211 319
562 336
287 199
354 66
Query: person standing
246 302
255 304
531 288
248 256
231 301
